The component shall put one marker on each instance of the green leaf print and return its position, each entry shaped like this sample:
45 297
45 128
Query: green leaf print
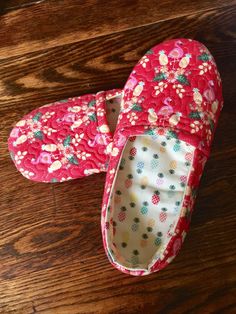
172 134
149 52
159 77
136 107
212 124
54 180
150 132
196 115
92 103
73 160
183 79
204 57
63 101
92 117
38 135
67 141
37 117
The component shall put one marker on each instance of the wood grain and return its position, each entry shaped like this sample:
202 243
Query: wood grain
51 255
55 23
10 5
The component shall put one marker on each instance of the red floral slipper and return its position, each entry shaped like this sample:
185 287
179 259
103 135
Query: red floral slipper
67 139
170 107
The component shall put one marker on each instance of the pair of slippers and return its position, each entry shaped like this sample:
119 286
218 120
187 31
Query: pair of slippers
152 138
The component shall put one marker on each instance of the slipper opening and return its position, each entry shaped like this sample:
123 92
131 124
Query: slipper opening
147 197
113 111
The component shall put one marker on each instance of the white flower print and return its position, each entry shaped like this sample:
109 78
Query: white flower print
115 151
160 87
19 156
196 107
48 131
91 171
47 115
34 125
74 109
144 61
65 179
77 139
108 148
204 67
112 171
82 155
35 129
30 136
100 112
195 126
208 136
26 173
179 90
64 160
132 118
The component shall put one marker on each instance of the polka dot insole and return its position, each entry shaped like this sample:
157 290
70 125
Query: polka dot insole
147 197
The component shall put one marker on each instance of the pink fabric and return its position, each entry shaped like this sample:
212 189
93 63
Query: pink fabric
63 140
175 86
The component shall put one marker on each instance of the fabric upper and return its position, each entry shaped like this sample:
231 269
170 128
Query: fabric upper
175 84
174 90
64 140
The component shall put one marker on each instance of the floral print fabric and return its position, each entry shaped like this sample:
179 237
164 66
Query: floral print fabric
65 140
176 89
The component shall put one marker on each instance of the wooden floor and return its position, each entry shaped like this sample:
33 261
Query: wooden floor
51 254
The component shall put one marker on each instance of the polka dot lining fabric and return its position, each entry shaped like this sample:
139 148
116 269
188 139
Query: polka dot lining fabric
148 195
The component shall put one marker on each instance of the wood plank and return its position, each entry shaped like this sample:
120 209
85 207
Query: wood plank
38 224
53 23
105 62
10 5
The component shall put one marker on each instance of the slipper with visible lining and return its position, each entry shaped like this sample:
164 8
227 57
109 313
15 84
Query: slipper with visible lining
169 110
67 139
